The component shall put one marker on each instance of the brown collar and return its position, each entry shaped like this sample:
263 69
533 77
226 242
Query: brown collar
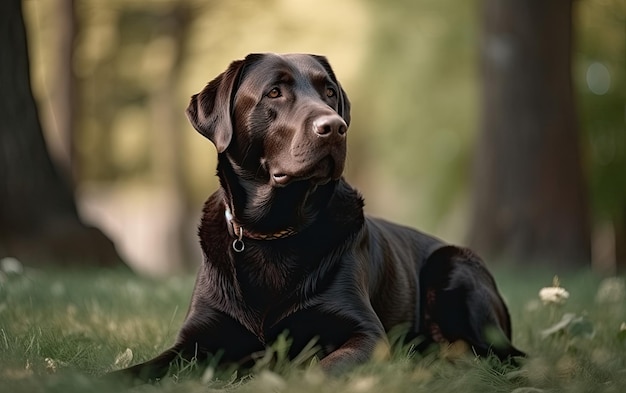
240 232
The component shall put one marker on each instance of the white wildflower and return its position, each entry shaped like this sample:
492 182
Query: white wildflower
52 365
123 359
11 266
553 295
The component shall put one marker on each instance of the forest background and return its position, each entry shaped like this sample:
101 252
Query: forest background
441 92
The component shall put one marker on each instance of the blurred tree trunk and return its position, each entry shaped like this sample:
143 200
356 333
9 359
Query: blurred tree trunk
39 223
529 197
169 149
63 89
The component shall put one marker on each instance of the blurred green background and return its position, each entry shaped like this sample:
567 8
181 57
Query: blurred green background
410 68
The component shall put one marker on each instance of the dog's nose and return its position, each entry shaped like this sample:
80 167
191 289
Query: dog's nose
329 125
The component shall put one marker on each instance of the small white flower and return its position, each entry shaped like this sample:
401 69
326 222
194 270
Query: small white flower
11 266
52 365
124 358
553 295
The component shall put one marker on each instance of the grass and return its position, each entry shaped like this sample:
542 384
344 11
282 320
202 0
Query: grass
61 330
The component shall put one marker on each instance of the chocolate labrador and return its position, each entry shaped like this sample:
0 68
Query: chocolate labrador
287 247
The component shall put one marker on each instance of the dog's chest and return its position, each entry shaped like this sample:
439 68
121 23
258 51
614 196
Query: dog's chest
262 278
271 288
265 280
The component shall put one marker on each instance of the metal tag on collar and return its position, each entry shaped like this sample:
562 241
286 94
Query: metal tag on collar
238 244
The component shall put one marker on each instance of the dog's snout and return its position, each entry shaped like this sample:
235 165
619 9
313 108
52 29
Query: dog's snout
329 125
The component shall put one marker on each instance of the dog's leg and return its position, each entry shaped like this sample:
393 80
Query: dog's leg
206 333
357 350
461 302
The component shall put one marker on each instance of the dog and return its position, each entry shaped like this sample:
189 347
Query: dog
288 248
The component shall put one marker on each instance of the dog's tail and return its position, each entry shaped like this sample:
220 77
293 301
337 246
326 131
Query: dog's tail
460 301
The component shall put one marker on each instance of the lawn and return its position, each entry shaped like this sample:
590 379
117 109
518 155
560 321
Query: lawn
61 330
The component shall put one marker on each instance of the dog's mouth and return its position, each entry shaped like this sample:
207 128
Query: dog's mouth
321 173
281 178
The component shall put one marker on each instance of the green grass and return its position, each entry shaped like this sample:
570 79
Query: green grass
60 331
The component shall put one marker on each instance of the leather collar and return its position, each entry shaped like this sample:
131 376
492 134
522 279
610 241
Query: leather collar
239 232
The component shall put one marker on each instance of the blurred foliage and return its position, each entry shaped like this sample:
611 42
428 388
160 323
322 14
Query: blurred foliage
409 67
127 51
421 97
600 71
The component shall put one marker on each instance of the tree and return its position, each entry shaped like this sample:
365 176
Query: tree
63 90
39 222
529 196
600 50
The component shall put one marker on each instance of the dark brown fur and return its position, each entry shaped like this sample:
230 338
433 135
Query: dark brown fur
326 271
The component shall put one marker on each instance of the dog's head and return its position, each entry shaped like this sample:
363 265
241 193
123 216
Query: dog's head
279 118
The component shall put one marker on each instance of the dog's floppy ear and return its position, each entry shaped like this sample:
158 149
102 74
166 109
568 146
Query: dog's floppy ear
209 111
344 103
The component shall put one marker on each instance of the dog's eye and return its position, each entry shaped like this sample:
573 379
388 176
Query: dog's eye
274 93
330 92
